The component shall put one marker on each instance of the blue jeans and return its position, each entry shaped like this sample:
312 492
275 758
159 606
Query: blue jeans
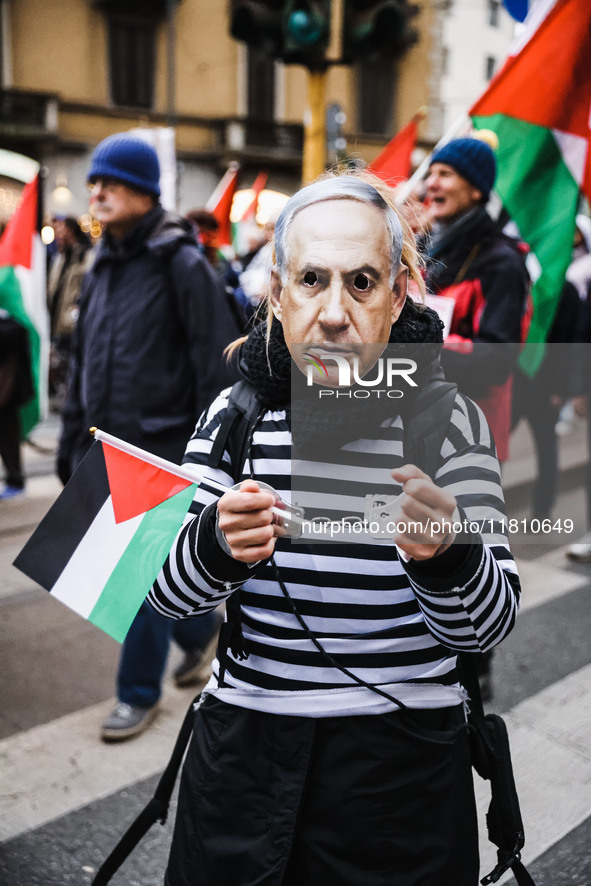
145 651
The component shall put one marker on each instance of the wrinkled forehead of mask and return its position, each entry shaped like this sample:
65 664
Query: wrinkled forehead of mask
341 187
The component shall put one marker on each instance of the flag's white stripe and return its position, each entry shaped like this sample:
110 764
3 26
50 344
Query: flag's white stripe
536 15
574 153
82 581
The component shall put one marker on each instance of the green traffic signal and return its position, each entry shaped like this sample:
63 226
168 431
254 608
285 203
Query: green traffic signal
296 31
306 28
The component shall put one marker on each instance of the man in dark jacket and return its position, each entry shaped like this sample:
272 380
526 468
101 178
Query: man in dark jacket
147 358
470 261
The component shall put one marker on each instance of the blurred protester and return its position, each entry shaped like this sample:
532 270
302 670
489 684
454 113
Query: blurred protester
579 274
255 237
206 228
482 270
539 399
72 259
255 276
16 388
470 261
146 360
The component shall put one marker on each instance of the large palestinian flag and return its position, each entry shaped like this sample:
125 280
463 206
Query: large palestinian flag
22 291
539 105
102 544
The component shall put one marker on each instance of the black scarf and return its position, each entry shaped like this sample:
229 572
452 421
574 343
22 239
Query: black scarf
268 367
449 246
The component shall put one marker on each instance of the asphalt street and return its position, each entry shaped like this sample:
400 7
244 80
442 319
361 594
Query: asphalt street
66 798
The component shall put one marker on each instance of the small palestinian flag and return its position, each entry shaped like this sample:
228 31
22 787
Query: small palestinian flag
102 544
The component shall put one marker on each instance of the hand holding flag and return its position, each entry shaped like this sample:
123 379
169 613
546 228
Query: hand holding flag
102 544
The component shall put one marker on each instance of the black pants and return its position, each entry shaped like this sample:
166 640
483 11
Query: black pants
10 445
381 800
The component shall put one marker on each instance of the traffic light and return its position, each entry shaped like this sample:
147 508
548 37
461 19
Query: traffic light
296 31
258 23
377 28
306 29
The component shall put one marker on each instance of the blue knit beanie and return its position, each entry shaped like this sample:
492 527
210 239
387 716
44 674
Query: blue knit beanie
128 159
471 158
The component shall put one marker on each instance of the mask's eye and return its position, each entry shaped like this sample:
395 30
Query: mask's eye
310 278
361 282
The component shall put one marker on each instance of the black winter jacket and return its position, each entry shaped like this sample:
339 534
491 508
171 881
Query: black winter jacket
485 273
148 345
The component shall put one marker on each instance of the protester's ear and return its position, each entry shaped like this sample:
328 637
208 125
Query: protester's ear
276 288
399 292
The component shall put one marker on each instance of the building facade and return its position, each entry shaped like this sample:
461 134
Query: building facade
75 71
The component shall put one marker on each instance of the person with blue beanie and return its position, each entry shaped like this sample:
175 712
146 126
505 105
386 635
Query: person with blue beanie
147 358
470 260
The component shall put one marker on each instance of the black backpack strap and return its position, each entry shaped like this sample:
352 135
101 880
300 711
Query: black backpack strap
157 808
426 424
234 435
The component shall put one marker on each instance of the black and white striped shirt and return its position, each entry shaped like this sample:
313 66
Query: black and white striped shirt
394 624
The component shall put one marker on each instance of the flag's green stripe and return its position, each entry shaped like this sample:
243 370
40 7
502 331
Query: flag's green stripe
541 195
141 562
11 300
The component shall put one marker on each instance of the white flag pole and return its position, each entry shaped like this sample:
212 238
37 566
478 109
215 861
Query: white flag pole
186 472
419 173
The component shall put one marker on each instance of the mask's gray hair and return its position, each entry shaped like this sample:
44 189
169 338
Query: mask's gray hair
339 188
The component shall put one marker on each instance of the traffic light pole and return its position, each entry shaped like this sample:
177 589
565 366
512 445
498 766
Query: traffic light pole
314 159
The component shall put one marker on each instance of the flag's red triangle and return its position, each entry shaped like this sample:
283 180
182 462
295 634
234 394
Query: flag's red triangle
548 83
258 185
136 486
220 204
393 164
16 245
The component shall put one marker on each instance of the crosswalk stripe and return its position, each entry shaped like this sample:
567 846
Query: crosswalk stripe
72 767
545 579
552 765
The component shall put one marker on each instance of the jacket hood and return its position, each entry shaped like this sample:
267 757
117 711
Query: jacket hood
159 231
169 232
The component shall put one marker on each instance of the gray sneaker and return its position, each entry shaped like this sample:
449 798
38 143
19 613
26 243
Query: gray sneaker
126 720
189 670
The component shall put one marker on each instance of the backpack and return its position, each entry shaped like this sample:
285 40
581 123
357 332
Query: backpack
429 419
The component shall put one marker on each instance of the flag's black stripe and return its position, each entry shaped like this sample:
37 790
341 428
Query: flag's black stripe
46 554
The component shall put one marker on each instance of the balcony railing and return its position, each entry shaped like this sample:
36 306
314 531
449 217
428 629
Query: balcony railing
28 114
258 138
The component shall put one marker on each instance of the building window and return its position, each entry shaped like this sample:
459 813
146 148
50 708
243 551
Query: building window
493 13
376 88
491 64
261 86
132 53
